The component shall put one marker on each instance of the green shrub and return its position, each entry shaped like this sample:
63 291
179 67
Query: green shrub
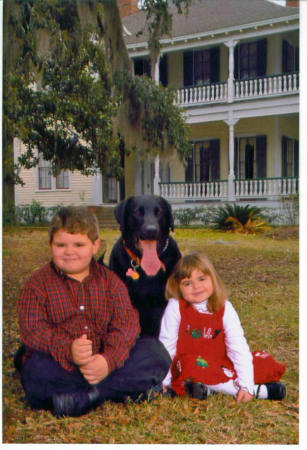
243 219
9 214
185 215
290 209
35 213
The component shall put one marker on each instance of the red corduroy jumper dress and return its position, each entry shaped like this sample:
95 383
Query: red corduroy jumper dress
201 352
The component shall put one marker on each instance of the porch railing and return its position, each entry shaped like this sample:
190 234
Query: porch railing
266 187
218 190
194 191
201 94
273 85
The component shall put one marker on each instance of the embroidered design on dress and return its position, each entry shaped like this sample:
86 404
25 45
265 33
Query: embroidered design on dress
201 362
196 333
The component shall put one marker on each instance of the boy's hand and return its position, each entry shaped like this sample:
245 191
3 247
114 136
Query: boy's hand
243 396
95 370
81 350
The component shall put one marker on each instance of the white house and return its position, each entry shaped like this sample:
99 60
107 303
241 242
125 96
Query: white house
235 65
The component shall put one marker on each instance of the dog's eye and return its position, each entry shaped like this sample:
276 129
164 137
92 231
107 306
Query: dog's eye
141 211
157 211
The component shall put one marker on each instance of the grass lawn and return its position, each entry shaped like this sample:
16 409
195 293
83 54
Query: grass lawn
262 275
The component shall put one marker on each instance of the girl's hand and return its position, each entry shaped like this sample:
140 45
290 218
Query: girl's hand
243 396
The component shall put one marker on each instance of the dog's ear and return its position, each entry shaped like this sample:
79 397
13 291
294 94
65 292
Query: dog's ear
167 209
119 213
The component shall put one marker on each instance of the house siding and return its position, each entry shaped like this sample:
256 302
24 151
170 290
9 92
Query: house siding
80 191
175 69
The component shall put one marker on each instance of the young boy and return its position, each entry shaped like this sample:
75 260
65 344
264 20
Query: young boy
79 328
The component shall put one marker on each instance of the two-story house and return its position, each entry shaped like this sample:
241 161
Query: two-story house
235 66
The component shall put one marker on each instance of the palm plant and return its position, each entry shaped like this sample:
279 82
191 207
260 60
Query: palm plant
241 219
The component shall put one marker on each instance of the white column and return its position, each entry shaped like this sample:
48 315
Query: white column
231 45
157 176
156 188
97 189
138 176
231 121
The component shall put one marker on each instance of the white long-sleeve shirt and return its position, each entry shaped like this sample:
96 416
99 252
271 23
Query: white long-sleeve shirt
236 345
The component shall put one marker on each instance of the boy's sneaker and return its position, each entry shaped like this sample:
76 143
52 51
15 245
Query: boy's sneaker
196 390
276 391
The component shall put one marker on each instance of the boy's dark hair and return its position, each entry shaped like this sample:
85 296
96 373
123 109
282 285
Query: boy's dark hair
75 219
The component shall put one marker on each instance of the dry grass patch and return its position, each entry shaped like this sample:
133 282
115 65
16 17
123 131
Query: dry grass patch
262 275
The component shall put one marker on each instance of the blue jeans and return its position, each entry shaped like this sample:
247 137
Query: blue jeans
147 365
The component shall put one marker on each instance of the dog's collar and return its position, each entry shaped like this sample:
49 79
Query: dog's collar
165 246
135 260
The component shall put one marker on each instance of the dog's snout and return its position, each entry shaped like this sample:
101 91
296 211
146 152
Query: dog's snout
149 231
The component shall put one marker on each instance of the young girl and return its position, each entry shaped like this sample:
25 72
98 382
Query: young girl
203 335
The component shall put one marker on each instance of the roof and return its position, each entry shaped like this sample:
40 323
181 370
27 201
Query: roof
211 15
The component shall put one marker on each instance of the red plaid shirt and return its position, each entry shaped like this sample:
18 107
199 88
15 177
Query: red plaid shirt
55 309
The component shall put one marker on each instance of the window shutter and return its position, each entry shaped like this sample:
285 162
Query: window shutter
297 59
189 169
188 68
261 57
163 69
236 61
261 156
215 64
296 158
204 164
284 156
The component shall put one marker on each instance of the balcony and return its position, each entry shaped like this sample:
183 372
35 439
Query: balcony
259 189
255 88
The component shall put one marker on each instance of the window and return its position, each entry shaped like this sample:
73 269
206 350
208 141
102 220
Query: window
46 181
250 157
165 172
142 66
204 163
250 59
44 174
290 57
201 67
290 156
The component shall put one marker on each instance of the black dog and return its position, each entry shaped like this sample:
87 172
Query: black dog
145 255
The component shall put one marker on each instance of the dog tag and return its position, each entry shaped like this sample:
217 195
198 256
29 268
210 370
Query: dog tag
132 273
